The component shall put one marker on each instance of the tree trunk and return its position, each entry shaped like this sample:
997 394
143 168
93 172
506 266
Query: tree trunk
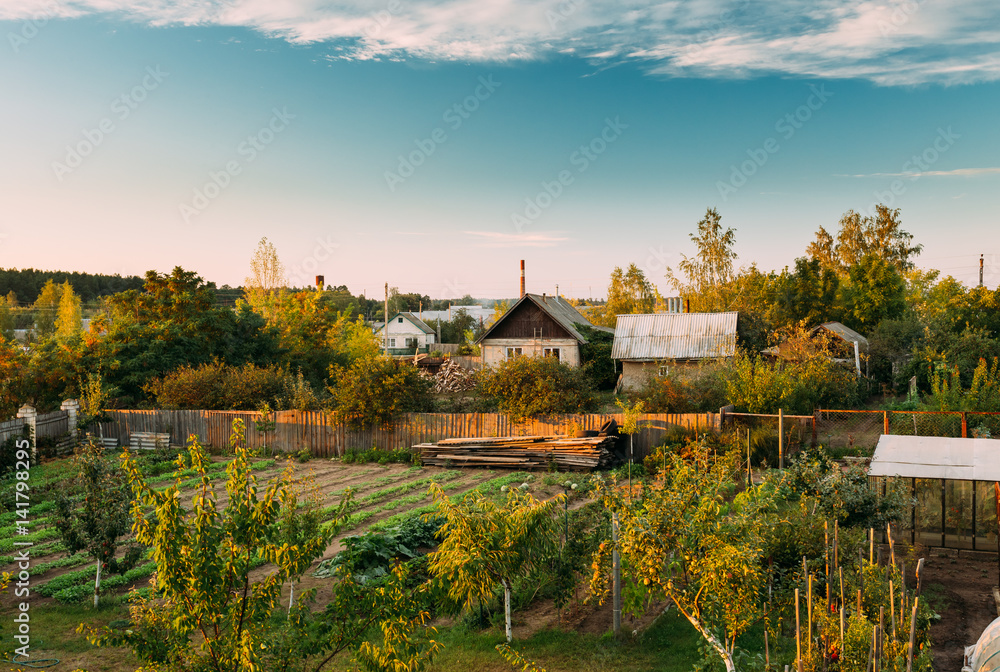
97 583
506 610
719 647
291 597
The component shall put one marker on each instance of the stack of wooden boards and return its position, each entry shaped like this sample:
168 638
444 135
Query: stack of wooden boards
521 452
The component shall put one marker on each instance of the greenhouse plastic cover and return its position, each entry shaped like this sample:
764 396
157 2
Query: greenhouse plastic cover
986 655
937 457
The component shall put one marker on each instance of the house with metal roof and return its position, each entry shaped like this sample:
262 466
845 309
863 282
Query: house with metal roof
648 344
538 325
405 334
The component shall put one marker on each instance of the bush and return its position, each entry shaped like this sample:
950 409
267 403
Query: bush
222 387
374 390
755 385
685 389
523 387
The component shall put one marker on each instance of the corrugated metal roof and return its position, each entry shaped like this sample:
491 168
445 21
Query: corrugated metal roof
664 336
413 319
937 457
844 332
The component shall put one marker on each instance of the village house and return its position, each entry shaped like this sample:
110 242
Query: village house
648 345
538 325
405 334
844 345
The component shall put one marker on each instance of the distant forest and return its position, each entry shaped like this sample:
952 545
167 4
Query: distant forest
27 283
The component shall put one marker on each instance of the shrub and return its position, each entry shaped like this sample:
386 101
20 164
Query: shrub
374 390
755 385
685 389
523 387
222 387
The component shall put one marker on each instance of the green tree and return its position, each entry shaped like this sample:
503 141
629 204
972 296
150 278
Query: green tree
808 294
68 321
712 266
6 319
523 387
209 616
485 545
874 292
47 308
629 292
267 277
686 539
881 236
374 389
97 520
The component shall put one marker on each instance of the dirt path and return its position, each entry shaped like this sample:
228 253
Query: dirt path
958 586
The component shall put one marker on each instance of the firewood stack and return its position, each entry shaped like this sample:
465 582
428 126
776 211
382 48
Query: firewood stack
521 452
453 378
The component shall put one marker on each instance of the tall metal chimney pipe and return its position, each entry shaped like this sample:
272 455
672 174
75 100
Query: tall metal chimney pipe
522 279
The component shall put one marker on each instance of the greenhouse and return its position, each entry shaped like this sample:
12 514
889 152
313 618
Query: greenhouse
952 481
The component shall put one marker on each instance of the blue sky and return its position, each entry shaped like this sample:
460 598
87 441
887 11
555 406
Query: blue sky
432 145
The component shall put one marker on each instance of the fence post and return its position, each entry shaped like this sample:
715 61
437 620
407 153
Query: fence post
72 408
781 439
965 425
30 416
885 422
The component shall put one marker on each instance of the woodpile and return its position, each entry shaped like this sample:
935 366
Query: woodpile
452 377
521 452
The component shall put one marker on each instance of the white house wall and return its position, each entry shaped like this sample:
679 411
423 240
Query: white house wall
495 349
404 330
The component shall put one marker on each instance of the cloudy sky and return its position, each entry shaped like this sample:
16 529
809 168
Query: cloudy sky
433 144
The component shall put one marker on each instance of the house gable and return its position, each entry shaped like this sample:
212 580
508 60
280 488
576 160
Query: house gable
527 321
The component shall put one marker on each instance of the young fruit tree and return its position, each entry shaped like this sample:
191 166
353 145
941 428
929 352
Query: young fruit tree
687 539
485 545
98 517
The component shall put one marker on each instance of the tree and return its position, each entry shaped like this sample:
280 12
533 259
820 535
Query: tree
874 292
374 389
103 517
485 544
881 236
629 292
13 366
68 322
808 294
209 616
685 540
47 308
6 319
712 266
267 276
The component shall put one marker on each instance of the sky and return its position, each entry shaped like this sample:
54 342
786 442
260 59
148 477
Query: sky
433 144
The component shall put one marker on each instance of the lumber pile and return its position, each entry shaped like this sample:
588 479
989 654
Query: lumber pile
452 377
521 452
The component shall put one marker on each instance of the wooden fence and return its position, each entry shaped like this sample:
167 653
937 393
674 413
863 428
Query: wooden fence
10 428
314 430
47 426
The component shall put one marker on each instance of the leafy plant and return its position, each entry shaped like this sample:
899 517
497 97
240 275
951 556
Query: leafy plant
373 390
523 387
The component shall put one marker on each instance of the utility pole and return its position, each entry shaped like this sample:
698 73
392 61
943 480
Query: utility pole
980 270
385 320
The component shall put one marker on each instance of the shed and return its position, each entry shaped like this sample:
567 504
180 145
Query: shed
648 344
952 482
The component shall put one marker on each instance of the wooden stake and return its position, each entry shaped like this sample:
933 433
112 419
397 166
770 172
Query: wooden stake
836 543
892 547
913 635
892 609
920 568
841 633
767 652
809 616
840 570
798 634
871 651
826 537
881 638
617 578
859 603
871 544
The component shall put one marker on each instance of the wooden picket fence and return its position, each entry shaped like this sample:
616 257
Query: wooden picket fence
316 431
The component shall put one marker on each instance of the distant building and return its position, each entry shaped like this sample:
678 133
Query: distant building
537 325
477 313
407 334
649 344
840 342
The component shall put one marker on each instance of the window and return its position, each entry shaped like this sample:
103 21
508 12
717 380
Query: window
392 342
411 342
400 320
664 370
513 352
551 352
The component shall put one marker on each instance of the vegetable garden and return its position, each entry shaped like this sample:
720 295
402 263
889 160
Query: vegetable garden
327 564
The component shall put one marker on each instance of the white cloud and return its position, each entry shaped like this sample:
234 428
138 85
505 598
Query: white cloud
890 42
957 172
496 239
